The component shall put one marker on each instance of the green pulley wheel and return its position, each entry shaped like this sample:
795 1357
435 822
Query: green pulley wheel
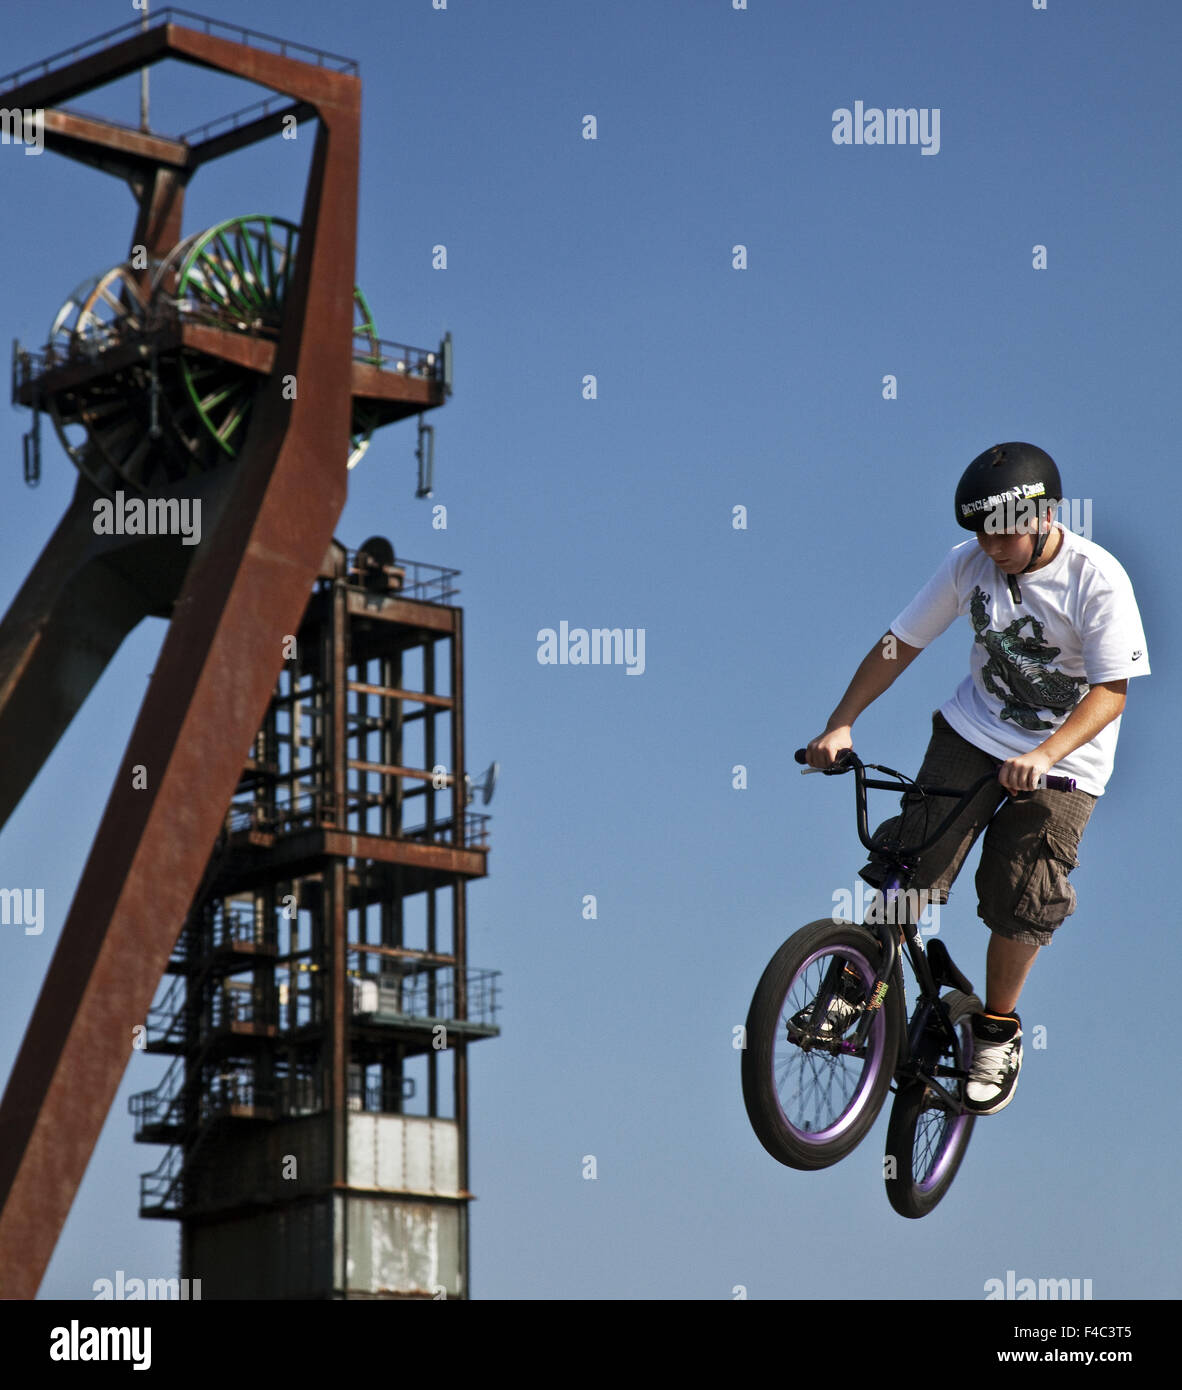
235 276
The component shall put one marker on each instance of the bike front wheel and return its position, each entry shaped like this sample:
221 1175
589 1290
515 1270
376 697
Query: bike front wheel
814 1076
927 1138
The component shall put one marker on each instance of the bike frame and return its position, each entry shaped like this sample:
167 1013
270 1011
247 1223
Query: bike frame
919 1052
918 1058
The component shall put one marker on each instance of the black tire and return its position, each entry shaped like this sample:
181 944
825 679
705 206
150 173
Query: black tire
811 1100
925 1139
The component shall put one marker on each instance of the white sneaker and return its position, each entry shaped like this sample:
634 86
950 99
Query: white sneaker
997 1060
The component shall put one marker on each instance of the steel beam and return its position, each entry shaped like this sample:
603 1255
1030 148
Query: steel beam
89 139
242 136
64 626
85 74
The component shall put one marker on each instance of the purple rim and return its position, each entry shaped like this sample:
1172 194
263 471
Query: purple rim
953 1132
870 1071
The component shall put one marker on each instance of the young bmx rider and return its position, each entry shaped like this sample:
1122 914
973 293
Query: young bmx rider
1056 636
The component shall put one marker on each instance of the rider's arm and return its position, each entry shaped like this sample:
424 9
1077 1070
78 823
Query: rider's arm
881 665
1098 708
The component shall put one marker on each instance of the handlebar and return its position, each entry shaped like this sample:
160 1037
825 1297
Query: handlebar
847 760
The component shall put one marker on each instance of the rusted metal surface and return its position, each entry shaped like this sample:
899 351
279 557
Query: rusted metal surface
115 147
158 222
242 136
253 354
63 627
409 612
247 586
84 74
378 388
293 852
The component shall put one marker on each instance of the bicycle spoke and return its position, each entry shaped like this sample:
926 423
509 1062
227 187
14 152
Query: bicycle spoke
928 1133
816 1085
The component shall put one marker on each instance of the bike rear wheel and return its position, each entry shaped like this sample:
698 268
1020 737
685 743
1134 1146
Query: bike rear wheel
926 1139
811 1092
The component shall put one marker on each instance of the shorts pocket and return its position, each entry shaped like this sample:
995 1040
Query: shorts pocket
1047 896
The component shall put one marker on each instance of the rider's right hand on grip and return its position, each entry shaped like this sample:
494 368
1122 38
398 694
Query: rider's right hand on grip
801 756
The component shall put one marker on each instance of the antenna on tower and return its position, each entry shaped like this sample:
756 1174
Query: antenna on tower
425 453
484 786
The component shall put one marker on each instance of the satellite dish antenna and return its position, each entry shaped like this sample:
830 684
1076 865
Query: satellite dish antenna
485 786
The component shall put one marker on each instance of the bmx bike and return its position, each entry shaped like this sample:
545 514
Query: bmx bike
827 1033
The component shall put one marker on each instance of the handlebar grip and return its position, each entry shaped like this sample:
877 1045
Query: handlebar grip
840 764
1055 784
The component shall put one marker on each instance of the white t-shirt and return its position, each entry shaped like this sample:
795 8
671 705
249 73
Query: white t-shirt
1031 663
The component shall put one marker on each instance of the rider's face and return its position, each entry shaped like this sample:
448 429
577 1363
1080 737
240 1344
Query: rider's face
1011 550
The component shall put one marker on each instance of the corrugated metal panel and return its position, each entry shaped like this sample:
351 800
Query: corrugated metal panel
255 1164
284 1253
404 1153
403 1248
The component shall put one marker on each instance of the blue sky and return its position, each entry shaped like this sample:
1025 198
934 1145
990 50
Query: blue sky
717 387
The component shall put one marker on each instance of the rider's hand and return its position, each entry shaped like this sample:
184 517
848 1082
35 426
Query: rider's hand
1020 774
823 750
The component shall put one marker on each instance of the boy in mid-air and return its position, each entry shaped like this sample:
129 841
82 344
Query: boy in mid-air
1056 635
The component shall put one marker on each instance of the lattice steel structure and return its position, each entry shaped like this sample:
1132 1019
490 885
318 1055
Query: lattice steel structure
329 941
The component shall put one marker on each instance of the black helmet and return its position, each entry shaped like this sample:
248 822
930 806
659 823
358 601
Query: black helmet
1008 474
1012 473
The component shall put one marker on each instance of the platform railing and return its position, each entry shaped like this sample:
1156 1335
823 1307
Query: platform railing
28 364
172 14
427 993
419 580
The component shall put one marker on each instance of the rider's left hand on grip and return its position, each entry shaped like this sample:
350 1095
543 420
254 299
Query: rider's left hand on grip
1055 784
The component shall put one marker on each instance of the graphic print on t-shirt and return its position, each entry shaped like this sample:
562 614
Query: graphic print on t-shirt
1017 671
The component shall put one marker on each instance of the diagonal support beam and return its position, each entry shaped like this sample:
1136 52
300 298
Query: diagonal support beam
242 136
56 640
84 74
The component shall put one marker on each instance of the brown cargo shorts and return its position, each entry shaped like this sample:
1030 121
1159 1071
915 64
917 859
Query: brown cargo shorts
1030 845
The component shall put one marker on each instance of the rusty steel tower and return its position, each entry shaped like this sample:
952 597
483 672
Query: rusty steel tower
290 929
